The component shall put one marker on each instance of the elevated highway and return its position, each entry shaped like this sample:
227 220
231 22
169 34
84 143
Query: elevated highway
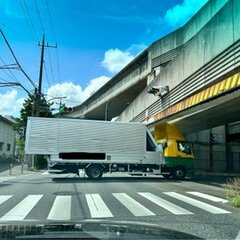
200 65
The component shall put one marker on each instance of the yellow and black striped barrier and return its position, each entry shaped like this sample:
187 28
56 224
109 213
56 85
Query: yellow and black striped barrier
206 94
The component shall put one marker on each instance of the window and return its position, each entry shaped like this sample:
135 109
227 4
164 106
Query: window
1 146
8 147
184 147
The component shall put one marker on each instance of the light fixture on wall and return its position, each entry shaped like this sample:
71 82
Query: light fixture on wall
158 90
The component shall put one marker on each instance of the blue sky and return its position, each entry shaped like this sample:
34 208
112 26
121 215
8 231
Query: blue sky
95 39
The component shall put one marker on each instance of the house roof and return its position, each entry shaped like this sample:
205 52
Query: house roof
7 119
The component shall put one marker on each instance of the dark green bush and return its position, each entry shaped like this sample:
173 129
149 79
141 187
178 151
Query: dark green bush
40 162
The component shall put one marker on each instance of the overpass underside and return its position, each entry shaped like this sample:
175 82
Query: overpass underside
210 120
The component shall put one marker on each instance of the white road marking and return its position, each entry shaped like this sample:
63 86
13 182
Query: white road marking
97 207
45 172
61 209
209 197
2 179
238 236
165 204
4 198
21 210
132 205
196 203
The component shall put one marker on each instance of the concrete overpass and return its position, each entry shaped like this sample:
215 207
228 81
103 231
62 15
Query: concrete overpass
200 64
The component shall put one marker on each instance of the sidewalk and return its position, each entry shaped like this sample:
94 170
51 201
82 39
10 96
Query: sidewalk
14 170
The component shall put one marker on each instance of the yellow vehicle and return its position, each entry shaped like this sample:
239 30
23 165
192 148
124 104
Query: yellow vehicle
177 151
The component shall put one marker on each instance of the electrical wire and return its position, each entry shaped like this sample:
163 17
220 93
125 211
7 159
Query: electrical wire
39 16
29 21
54 38
16 60
51 65
49 85
51 22
10 74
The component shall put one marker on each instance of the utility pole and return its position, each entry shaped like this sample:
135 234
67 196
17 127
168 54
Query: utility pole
38 93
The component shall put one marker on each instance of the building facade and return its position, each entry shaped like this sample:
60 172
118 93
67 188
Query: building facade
7 139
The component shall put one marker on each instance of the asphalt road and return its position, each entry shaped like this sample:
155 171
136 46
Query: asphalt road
195 207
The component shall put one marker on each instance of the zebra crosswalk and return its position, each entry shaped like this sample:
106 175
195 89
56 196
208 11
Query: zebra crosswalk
140 204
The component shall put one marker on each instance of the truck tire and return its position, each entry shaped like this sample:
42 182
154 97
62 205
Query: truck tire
94 172
179 173
167 176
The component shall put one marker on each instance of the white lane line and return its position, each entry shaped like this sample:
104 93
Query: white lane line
21 210
61 209
209 197
132 205
2 179
97 207
238 236
4 198
196 203
165 204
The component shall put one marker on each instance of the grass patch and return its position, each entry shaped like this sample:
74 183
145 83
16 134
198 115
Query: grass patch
232 191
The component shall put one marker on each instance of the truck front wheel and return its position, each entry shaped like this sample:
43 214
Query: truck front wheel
179 173
94 172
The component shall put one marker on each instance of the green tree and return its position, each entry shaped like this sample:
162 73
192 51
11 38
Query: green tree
32 106
41 108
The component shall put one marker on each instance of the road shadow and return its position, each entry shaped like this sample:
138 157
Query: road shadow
130 179
215 181
4 167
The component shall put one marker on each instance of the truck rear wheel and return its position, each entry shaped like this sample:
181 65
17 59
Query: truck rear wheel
179 173
94 172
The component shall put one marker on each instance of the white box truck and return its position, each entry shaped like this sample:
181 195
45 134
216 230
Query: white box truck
96 146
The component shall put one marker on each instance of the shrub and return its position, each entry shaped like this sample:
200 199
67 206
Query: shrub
40 162
232 191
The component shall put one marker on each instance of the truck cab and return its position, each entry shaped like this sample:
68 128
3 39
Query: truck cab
179 158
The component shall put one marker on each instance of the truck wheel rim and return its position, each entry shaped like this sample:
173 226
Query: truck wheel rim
179 173
95 173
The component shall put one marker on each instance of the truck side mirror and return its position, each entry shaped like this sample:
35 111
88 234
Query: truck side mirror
164 145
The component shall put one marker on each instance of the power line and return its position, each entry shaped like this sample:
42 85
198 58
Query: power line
10 74
12 84
58 66
46 74
29 20
15 58
50 19
39 16
51 66
54 38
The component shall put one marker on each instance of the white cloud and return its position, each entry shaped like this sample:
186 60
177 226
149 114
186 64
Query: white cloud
94 85
10 103
66 89
181 13
135 49
116 59
74 92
